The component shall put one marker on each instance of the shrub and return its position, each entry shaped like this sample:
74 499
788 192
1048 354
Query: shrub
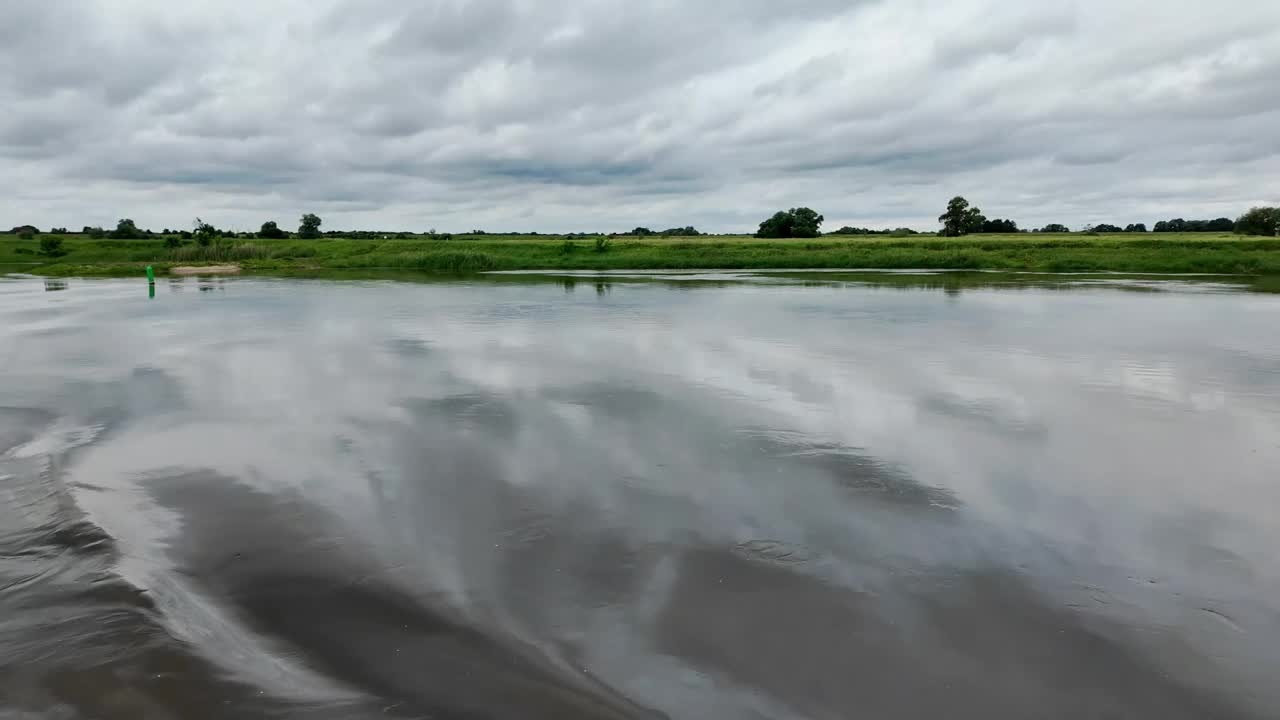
603 244
172 242
52 246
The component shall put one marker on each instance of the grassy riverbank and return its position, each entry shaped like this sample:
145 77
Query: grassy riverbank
1134 253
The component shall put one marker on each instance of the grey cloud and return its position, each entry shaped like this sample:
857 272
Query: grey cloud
604 114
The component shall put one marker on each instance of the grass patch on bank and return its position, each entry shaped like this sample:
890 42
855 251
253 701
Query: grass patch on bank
1164 253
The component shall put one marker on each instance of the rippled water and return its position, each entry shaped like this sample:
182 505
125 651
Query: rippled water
716 496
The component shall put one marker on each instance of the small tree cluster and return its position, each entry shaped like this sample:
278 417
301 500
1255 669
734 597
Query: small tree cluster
999 226
794 223
1260 221
1180 225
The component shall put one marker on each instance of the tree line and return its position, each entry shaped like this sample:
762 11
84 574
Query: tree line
959 218
962 218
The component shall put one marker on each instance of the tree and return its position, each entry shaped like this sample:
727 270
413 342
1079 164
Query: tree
1260 221
641 232
204 233
1055 228
960 218
126 230
1220 225
309 226
1105 228
271 230
1135 227
794 223
25 233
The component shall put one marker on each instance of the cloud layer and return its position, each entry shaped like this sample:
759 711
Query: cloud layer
604 114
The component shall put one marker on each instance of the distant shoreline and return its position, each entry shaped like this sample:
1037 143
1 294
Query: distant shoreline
1213 253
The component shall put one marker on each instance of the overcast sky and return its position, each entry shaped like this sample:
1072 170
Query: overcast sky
607 114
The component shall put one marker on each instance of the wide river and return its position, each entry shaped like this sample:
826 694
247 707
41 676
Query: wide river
684 496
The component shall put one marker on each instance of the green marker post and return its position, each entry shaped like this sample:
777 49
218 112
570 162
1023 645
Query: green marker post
151 282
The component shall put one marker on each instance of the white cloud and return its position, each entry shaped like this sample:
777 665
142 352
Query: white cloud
602 114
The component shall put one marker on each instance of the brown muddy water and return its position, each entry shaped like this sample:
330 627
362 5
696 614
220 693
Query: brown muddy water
689 496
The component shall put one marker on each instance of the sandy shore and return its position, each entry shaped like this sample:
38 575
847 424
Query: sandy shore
205 270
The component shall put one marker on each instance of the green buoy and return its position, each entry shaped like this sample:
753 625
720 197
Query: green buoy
151 275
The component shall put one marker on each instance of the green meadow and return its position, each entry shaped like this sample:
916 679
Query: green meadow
1217 253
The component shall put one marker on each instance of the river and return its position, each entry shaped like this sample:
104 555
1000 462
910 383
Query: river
716 495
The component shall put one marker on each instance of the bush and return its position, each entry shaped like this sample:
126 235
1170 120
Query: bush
26 234
172 242
52 246
603 244
567 247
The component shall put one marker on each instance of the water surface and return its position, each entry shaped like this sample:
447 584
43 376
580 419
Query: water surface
696 496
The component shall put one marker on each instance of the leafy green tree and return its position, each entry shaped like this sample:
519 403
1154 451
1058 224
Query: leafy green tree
126 230
26 233
204 233
794 223
1055 228
641 232
309 226
1106 228
271 230
1135 227
1260 221
960 218
1220 225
